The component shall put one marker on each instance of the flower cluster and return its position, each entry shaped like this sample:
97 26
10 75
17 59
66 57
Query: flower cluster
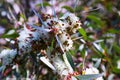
34 38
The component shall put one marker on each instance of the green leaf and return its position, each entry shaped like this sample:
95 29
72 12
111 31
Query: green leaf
116 70
70 60
109 6
3 21
10 34
13 36
52 44
89 77
82 53
116 48
78 8
113 31
68 8
83 33
95 19
44 4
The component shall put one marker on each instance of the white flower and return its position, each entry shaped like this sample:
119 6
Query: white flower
93 70
66 41
24 47
24 42
32 34
7 56
71 16
72 20
62 26
60 66
56 23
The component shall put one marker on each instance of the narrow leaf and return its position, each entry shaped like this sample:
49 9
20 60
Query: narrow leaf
97 63
10 35
98 47
44 4
47 62
116 48
116 70
89 77
83 33
70 60
68 8
95 19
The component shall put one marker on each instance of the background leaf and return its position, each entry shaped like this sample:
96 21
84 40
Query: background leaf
44 4
68 8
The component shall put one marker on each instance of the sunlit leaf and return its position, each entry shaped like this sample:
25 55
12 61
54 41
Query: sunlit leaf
83 33
10 34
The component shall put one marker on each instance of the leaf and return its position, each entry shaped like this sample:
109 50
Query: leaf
83 33
12 36
98 41
68 8
70 60
10 33
47 62
97 63
116 70
81 47
116 48
2 68
109 6
52 44
98 47
44 4
95 19
78 8
113 31
89 77
3 21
